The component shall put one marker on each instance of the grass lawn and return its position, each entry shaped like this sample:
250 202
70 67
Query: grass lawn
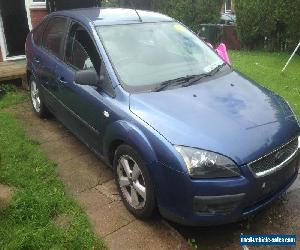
28 221
266 68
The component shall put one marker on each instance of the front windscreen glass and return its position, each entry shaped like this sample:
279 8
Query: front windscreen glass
146 54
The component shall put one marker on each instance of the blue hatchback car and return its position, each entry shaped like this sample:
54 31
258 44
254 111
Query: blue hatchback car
184 133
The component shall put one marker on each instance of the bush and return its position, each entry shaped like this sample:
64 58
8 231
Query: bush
269 24
138 4
191 12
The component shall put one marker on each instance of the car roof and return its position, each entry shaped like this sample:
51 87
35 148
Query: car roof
113 16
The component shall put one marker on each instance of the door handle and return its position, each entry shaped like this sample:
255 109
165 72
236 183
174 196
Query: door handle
36 60
61 80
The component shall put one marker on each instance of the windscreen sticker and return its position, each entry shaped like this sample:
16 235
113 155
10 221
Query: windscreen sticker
179 27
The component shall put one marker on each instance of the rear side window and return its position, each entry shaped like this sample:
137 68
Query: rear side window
38 33
54 34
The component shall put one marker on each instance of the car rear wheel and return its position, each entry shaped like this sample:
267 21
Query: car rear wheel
134 183
39 107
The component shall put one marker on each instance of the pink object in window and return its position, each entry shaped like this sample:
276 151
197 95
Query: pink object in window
222 52
209 44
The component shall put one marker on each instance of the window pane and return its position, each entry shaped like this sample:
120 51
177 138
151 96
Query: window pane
81 52
54 35
146 54
227 5
38 33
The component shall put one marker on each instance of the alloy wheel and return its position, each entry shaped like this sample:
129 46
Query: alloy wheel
36 102
131 182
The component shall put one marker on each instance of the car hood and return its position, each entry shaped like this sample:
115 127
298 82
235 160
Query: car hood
231 115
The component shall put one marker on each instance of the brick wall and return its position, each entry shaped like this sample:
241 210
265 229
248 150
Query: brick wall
37 15
1 59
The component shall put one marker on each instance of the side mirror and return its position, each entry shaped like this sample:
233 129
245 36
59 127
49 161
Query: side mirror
87 77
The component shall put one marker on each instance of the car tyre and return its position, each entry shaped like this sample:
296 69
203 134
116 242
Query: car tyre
134 183
38 106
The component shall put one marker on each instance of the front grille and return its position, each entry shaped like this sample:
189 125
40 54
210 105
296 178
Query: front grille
270 162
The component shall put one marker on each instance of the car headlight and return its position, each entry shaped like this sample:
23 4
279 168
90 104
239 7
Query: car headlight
206 164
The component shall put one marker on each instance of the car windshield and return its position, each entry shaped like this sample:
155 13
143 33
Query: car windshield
145 55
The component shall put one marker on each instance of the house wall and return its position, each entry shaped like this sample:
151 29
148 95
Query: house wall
36 15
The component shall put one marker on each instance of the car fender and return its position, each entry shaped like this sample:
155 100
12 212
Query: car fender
130 134
31 71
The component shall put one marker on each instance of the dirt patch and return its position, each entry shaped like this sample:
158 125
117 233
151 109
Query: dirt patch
6 194
63 221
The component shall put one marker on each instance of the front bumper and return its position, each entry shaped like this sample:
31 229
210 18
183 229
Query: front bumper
221 201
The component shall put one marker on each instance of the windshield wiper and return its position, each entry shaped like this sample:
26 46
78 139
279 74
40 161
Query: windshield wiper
217 69
187 80
197 78
173 82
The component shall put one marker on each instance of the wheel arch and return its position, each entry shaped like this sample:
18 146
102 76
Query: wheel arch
30 73
123 132
28 76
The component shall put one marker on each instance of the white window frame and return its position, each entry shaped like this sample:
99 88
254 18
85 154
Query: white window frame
225 8
29 4
37 5
2 41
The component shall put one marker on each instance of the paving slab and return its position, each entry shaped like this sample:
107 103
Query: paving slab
145 235
107 215
92 184
110 190
111 218
92 199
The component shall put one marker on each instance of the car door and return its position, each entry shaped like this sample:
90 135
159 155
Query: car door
51 53
37 50
84 105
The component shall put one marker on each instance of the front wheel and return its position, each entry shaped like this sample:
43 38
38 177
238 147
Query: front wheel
38 106
134 182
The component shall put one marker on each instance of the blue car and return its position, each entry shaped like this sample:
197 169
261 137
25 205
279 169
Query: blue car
185 133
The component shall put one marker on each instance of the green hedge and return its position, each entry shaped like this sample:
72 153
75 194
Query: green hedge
268 24
191 12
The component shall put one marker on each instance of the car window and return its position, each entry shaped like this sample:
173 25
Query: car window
53 37
38 33
82 54
144 55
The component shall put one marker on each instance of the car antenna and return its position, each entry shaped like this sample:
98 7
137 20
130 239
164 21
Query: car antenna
133 7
